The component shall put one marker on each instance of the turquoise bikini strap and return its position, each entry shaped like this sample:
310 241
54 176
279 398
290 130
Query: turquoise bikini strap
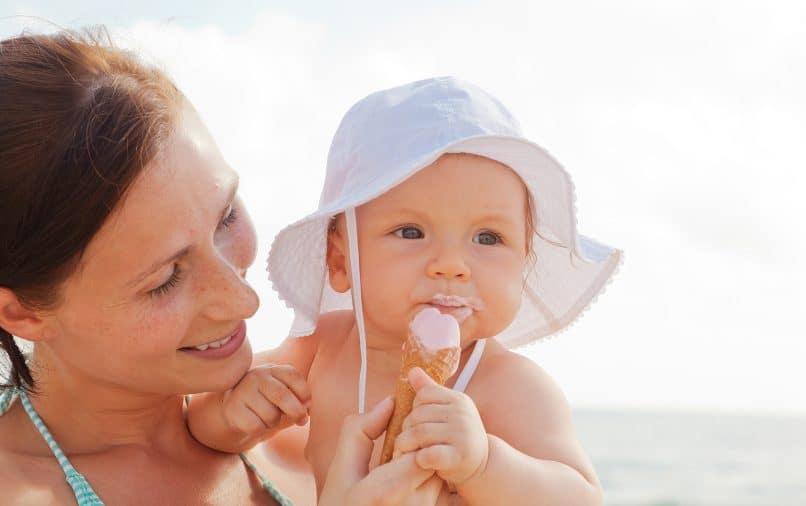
6 396
85 495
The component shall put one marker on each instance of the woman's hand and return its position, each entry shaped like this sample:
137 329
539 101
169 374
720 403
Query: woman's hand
400 482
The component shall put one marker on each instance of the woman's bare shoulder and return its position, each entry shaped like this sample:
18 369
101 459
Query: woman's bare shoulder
29 473
30 480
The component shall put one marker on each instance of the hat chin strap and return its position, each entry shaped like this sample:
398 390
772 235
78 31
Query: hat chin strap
358 307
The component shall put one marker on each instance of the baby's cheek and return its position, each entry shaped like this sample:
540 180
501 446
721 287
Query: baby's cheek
506 306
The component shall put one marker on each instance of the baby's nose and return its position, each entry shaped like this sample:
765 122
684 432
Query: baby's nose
449 265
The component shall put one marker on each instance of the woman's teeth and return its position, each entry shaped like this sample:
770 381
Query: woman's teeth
215 344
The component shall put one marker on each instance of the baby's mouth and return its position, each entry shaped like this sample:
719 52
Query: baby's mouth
457 306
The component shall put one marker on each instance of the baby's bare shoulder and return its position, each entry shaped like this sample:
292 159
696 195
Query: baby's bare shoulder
334 325
301 351
511 392
332 330
521 404
502 369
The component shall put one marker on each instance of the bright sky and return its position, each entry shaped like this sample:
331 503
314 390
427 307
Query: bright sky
682 124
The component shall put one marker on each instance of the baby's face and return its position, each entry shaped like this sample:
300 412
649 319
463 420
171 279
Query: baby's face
453 236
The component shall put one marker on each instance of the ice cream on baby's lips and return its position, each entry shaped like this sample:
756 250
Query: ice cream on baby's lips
455 305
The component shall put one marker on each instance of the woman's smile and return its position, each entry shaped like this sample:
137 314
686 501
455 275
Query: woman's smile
221 348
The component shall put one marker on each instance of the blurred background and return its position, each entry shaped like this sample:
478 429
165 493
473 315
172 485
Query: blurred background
683 126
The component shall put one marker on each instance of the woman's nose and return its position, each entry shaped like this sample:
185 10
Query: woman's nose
226 294
449 264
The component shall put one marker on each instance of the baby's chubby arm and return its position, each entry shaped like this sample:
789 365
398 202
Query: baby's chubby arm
522 448
271 396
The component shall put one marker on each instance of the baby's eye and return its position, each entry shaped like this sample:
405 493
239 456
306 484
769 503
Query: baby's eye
487 238
409 233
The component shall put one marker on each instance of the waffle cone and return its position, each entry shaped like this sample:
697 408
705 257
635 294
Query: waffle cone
439 365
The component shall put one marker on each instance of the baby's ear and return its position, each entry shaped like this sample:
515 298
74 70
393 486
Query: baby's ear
337 261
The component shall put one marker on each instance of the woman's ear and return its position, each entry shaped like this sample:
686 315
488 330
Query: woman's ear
337 261
18 319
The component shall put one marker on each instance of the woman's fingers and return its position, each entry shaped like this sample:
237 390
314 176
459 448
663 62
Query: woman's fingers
396 483
356 439
399 482
351 460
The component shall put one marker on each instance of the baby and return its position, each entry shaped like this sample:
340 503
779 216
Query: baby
432 199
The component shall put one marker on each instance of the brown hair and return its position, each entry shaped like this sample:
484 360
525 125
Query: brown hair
79 120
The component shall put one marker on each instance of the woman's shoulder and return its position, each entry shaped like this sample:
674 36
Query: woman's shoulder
20 487
27 479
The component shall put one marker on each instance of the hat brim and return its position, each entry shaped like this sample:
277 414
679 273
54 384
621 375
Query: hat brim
571 270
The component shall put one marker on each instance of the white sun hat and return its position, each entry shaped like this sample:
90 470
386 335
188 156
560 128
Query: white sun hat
390 135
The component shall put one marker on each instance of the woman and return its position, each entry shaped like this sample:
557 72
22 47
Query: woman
123 254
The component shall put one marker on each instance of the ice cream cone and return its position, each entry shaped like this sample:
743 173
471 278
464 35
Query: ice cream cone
440 364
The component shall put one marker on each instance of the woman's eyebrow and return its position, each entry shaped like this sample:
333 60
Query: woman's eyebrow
156 265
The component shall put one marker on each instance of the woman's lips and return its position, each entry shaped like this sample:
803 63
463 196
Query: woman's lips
222 348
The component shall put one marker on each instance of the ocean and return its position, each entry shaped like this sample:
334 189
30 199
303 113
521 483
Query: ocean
696 459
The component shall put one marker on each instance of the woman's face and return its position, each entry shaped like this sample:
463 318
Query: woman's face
163 277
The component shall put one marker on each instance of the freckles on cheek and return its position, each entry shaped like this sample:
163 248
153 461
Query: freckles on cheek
158 330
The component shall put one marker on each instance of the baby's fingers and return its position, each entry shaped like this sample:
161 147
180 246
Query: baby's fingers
427 413
251 420
280 395
428 391
294 380
438 457
421 436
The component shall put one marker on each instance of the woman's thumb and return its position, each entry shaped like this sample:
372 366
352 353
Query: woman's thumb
373 422
358 433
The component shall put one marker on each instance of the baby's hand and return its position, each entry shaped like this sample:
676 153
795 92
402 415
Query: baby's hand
266 400
445 429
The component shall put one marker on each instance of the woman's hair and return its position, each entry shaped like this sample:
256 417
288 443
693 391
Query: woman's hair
79 120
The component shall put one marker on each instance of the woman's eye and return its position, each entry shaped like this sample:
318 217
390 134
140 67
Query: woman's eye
487 238
166 287
409 233
230 218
